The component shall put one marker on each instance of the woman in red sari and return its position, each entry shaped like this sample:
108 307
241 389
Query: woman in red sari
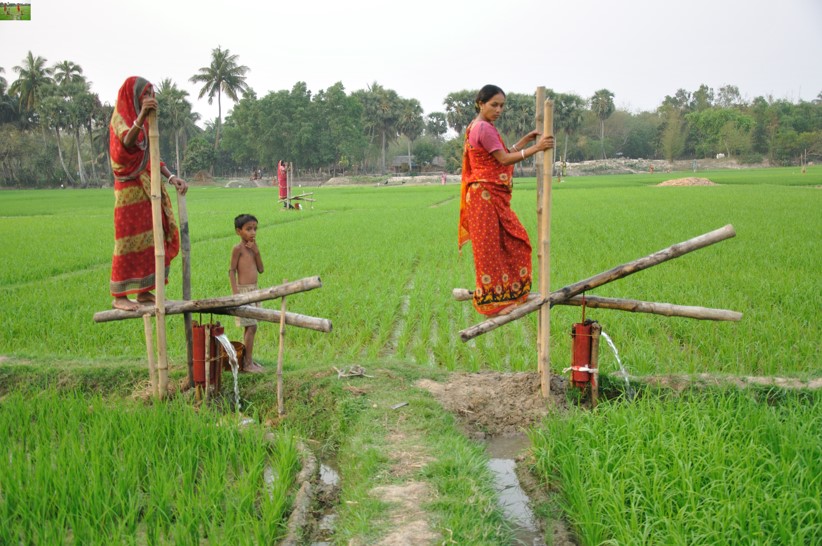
502 251
132 264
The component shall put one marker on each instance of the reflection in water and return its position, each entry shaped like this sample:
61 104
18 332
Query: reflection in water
513 501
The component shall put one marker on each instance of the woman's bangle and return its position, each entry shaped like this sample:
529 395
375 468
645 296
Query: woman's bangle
523 153
170 176
514 147
135 124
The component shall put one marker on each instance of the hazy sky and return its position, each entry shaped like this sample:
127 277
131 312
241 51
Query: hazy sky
641 50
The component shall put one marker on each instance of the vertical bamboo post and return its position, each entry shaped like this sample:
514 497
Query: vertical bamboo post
185 247
544 256
280 355
596 330
539 157
159 252
152 371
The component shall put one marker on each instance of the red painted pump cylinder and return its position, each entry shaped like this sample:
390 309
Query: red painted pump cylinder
581 353
199 354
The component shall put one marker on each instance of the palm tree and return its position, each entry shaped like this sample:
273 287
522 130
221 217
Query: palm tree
66 72
175 111
602 104
410 123
223 75
380 114
569 111
7 110
32 77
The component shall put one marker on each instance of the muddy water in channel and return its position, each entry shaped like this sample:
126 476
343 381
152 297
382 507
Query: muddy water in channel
513 501
329 486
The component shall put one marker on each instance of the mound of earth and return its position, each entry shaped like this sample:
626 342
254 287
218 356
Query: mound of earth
689 181
496 404
202 177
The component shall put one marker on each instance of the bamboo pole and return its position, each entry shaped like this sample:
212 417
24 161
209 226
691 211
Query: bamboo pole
194 306
185 247
596 330
539 157
152 371
270 315
633 306
159 252
280 354
544 257
618 272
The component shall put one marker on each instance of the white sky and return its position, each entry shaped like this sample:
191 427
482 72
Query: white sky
641 50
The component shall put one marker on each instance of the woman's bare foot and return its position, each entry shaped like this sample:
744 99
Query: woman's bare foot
145 297
125 304
505 310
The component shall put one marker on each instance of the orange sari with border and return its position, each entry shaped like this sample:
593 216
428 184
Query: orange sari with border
502 251
132 264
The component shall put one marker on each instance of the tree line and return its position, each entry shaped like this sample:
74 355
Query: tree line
54 128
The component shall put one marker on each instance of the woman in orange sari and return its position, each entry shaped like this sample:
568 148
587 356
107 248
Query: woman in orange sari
502 251
132 264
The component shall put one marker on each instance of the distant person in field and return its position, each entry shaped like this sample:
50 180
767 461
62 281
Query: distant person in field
133 265
282 180
502 251
246 263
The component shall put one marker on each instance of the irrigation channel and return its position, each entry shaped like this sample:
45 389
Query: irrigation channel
514 502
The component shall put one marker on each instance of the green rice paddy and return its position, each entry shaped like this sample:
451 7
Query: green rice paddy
699 467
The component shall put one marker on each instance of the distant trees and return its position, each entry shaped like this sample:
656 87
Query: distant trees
54 129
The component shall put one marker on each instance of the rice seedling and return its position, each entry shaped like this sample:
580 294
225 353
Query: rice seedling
715 467
83 469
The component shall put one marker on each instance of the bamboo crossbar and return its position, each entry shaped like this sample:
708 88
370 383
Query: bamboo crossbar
633 306
211 304
567 292
270 315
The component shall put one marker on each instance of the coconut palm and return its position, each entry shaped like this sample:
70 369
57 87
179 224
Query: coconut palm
381 112
175 111
410 123
32 77
568 113
602 104
223 75
66 72
7 109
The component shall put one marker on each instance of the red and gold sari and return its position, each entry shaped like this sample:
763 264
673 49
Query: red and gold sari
132 265
502 251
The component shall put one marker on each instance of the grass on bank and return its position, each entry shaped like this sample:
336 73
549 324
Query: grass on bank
356 427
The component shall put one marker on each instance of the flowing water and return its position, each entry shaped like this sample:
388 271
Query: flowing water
623 372
235 367
512 499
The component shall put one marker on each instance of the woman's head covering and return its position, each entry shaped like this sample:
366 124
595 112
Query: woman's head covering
127 163
129 96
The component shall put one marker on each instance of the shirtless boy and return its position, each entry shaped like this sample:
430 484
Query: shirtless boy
246 264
